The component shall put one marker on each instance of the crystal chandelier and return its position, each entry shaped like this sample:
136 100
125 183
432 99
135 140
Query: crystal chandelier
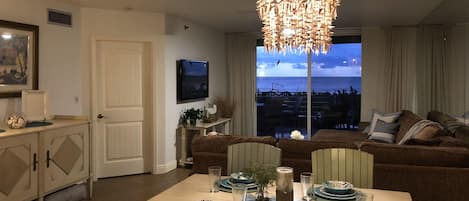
303 24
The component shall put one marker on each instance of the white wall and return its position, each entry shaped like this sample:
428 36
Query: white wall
59 54
65 60
170 42
198 43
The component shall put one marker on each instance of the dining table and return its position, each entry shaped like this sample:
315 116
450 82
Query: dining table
196 188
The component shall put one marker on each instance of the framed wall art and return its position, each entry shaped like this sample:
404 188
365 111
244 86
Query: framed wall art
19 44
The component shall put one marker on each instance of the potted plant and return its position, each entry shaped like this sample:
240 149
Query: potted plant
192 115
263 175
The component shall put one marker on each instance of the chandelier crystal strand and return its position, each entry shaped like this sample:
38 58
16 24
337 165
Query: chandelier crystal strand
301 24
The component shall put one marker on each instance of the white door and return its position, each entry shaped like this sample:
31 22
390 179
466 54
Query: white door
121 76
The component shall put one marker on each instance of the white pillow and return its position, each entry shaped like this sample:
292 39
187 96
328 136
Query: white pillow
385 117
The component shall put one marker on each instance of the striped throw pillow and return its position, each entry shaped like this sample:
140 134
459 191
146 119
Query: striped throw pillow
384 132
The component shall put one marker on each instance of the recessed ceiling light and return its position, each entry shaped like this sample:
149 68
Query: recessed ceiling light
6 36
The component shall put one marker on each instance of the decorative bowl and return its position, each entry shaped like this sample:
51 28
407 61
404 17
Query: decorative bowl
338 187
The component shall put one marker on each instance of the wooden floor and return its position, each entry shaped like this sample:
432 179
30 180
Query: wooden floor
136 187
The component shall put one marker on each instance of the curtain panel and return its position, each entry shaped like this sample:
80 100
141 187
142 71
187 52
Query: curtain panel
400 68
432 71
241 62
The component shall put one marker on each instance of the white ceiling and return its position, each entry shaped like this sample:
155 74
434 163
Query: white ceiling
241 16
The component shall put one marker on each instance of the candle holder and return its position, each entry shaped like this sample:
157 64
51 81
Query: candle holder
284 189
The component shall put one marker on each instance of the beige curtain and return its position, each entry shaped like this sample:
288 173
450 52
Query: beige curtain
400 68
241 61
457 39
432 71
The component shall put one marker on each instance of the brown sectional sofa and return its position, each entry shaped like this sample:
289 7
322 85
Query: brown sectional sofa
436 171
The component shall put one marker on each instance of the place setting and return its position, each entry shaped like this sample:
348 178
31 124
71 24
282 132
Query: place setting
236 180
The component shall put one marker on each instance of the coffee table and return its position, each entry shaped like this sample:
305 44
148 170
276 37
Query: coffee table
195 188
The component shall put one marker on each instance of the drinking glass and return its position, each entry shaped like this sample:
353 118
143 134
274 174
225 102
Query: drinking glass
239 192
307 185
214 175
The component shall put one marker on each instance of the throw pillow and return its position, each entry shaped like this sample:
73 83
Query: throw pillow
429 132
386 117
417 128
384 132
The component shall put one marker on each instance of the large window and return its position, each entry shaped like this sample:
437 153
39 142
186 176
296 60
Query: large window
334 90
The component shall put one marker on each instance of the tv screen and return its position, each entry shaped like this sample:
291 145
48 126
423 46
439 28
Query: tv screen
192 80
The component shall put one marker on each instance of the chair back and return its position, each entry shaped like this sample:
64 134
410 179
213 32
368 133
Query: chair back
343 164
243 155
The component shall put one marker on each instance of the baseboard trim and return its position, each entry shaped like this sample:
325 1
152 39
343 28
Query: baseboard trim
165 168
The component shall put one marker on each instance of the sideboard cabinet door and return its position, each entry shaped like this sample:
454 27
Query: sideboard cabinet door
64 157
18 168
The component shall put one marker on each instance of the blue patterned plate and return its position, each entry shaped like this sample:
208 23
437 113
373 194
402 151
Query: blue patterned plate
319 191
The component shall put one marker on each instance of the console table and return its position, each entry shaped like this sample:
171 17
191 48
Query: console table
202 128
41 160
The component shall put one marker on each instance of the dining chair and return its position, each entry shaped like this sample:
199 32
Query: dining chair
244 155
343 164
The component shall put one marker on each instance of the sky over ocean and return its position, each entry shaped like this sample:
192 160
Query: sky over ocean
342 60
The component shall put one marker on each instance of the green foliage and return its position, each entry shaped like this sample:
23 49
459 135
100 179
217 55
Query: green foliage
263 175
192 115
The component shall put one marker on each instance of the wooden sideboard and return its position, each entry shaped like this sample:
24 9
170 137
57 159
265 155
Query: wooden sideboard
37 161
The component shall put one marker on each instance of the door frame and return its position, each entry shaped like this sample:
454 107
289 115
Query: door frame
153 53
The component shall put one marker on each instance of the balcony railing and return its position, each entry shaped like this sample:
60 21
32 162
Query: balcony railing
278 113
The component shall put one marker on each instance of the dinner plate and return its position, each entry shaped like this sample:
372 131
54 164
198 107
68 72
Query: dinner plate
318 193
225 183
225 187
338 187
351 194
249 185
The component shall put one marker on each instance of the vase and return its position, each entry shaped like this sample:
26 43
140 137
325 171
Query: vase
284 184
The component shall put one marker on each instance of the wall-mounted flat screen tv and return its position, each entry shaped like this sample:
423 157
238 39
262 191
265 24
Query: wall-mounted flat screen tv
192 80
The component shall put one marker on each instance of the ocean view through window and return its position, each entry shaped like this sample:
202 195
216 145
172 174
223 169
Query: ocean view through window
282 90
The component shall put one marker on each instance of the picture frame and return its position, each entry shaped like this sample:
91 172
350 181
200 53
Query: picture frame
34 105
19 58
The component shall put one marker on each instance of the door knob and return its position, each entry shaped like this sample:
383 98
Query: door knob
100 116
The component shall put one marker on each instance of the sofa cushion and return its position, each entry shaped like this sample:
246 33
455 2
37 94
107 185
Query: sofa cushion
417 155
406 121
340 136
462 133
429 142
448 141
301 149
